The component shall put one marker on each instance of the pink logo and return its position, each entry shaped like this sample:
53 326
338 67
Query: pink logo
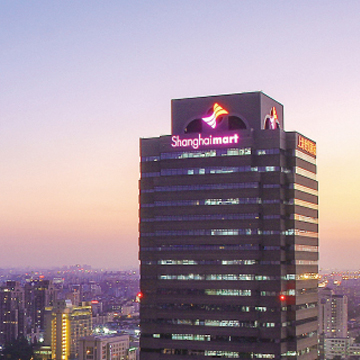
211 140
217 111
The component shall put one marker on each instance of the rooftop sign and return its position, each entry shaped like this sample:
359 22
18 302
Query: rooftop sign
271 120
196 142
306 145
217 111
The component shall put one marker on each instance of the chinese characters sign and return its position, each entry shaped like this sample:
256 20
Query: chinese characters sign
306 145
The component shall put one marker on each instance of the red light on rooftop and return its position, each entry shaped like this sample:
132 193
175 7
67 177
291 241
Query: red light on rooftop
282 297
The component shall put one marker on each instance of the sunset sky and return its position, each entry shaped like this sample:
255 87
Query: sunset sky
82 81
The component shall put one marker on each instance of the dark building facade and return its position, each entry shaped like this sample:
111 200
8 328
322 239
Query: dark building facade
38 294
12 312
228 234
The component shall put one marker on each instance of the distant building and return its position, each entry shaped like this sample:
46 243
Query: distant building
128 309
353 350
98 347
95 289
74 296
12 312
42 352
65 325
333 314
345 348
103 319
97 307
38 295
333 329
335 347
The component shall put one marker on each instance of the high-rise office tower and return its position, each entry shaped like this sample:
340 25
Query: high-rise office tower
12 312
65 325
39 294
333 314
228 234
333 325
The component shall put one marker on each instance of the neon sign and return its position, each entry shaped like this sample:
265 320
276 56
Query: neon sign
217 111
271 120
195 142
306 145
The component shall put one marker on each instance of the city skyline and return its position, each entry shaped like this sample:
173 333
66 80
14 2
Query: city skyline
81 83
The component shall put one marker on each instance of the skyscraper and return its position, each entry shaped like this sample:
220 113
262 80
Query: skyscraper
333 314
333 324
228 234
39 294
65 325
12 312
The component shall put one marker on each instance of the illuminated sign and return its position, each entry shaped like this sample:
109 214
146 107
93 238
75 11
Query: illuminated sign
195 142
217 111
271 120
306 145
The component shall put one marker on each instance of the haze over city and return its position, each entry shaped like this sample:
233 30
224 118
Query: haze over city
82 81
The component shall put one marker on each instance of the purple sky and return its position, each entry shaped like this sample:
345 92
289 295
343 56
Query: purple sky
81 81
